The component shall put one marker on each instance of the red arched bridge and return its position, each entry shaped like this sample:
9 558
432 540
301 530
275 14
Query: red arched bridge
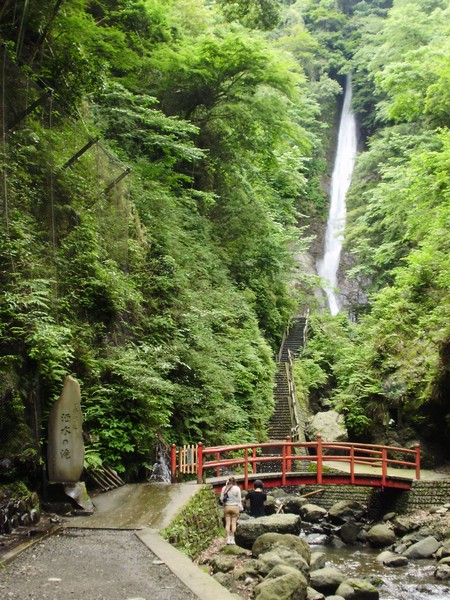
284 463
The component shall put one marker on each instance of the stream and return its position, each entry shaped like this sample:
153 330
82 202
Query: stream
412 582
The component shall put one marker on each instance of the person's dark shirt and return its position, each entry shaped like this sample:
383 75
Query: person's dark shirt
256 501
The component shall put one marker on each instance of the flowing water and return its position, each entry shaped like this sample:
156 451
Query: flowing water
328 266
415 581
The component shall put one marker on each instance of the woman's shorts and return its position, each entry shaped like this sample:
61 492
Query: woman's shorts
231 509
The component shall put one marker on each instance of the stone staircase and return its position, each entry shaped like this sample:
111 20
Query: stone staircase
294 339
280 424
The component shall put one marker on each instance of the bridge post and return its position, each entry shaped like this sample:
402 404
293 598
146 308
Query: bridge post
246 468
254 460
217 468
319 458
200 462
288 454
283 464
417 461
383 467
352 464
173 463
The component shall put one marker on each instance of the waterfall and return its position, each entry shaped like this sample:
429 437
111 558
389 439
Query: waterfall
161 470
328 266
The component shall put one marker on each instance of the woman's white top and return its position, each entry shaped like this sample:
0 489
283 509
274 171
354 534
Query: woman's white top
234 495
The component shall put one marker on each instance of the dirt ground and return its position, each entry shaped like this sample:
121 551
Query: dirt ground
81 564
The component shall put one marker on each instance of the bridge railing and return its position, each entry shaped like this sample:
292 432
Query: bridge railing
250 459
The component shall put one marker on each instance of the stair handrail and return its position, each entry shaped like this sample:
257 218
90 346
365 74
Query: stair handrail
302 315
305 329
292 394
283 339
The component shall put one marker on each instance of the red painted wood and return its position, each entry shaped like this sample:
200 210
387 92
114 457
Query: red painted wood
247 461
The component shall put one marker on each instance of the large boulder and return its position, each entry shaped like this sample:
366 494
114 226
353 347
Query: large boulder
318 560
312 513
290 586
293 504
326 580
222 564
404 524
423 549
330 425
357 589
398 560
280 557
380 536
269 541
349 532
248 531
345 511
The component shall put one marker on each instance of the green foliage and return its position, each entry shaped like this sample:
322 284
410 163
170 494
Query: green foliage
167 294
198 524
258 14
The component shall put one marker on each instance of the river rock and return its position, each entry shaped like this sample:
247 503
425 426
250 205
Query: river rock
290 586
349 532
445 549
380 535
395 561
326 580
224 564
312 513
248 570
384 555
358 589
346 510
270 541
293 504
312 594
270 505
442 572
227 581
248 531
404 525
423 549
318 560
281 557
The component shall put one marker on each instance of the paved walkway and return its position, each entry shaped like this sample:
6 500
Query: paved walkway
114 554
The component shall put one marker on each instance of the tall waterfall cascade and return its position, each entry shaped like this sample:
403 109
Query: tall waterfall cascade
328 265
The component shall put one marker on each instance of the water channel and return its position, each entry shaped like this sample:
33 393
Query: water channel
328 265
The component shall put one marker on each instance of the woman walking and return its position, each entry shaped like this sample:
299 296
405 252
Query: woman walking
232 501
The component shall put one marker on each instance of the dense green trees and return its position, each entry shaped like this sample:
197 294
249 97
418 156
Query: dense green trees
396 359
158 268
167 293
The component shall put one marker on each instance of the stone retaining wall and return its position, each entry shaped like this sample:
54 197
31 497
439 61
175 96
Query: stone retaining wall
423 494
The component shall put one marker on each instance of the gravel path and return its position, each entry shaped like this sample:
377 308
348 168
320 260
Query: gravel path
86 564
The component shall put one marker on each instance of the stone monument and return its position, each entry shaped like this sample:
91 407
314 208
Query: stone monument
65 451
